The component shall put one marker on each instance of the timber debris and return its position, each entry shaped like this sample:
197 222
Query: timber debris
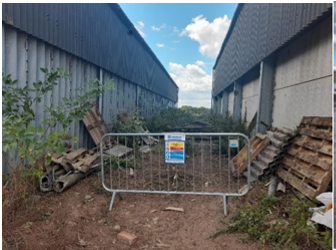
96 125
307 165
67 169
240 161
300 157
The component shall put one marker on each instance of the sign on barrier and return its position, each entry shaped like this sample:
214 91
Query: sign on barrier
175 149
234 143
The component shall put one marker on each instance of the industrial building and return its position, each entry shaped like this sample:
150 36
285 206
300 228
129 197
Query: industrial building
90 41
275 64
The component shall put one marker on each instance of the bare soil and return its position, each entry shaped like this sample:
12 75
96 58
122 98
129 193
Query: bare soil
79 218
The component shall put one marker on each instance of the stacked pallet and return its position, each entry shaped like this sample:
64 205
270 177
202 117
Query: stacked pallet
269 159
307 165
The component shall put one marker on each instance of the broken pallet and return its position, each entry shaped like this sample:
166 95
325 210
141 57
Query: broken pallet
95 124
240 161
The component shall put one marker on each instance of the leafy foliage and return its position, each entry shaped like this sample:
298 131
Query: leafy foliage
221 123
226 124
128 121
34 145
167 118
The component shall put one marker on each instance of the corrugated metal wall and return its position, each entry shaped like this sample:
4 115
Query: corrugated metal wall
98 33
256 31
128 96
23 56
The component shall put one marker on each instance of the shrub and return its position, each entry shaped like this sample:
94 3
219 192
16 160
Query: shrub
25 145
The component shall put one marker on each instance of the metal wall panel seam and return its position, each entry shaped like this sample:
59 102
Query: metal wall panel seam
41 63
48 95
3 46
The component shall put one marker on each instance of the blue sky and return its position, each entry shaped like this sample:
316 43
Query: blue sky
186 38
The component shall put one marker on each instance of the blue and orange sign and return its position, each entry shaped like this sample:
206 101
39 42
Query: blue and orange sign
175 149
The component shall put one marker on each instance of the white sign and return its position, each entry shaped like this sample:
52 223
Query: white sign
234 143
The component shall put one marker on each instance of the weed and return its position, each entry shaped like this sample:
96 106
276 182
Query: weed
267 225
115 162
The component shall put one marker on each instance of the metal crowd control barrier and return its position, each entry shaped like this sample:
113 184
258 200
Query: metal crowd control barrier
173 163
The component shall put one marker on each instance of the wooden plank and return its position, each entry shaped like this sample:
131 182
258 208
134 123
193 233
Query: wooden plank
318 145
242 155
316 133
257 148
80 166
176 209
325 184
73 156
57 159
313 158
261 136
317 121
304 169
90 159
95 124
304 181
297 183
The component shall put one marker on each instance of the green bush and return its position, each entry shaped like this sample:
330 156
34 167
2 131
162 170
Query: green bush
26 145
167 118
226 124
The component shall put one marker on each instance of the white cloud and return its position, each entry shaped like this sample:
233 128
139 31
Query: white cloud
160 45
176 30
210 35
154 28
139 28
194 84
195 99
200 63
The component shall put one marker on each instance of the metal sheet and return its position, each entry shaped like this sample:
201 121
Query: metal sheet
256 31
97 33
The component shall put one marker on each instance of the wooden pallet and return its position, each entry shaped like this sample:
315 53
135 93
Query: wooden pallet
257 144
307 165
95 124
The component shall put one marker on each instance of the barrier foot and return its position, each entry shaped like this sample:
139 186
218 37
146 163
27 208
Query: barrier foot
224 204
112 200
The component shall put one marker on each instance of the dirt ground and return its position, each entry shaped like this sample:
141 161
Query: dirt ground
79 218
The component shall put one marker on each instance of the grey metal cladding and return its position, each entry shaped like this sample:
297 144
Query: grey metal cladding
258 30
99 33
